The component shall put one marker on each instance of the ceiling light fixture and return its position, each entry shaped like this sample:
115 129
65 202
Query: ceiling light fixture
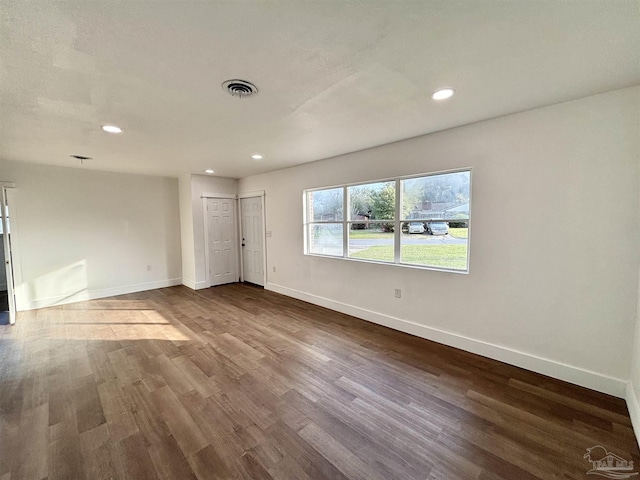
443 94
208 170
257 156
111 129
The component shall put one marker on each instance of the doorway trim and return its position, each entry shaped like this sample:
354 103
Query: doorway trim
238 231
259 193
217 195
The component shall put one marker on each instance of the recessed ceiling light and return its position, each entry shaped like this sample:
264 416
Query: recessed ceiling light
257 156
111 129
208 170
443 94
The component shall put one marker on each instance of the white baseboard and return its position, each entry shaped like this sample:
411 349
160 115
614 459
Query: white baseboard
193 285
569 373
94 294
634 409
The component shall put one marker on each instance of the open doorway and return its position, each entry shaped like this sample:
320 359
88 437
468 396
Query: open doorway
7 298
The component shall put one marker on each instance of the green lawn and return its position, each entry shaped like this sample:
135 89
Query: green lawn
445 256
459 232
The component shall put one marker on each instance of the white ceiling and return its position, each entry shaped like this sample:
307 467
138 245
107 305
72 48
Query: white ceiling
334 76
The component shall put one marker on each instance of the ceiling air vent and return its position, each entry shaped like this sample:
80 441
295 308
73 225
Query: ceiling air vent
240 88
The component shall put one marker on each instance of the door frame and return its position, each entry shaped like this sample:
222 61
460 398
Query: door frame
8 251
261 194
205 197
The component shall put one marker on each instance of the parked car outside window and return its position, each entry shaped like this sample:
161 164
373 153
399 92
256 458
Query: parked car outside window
416 227
437 228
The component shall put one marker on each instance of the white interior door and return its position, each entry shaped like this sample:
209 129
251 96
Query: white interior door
8 265
252 240
222 245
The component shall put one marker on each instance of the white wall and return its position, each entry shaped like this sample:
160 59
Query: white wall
553 282
205 184
81 234
186 232
633 388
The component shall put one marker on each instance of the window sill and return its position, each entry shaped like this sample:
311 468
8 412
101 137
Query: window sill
391 264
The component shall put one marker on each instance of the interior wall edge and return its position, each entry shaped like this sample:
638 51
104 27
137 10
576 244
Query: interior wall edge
561 371
96 294
634 409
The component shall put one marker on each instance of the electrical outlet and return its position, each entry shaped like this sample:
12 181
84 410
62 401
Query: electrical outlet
274 269
398 293
148 268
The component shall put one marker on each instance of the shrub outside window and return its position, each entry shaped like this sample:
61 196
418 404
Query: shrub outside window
420 221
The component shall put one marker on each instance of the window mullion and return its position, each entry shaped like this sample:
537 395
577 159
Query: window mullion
397 230
345 223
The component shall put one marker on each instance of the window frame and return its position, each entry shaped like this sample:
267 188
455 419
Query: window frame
397 221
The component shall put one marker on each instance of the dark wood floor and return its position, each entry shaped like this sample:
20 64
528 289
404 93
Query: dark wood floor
239 383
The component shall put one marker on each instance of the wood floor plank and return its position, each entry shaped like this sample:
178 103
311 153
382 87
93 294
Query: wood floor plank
100 365
349 464
89 413
32 461
145 413
195 377
132 459
98 454
169 461
126 371
10 434
235 382
358 440
208 465
64 456
117 410
181 425
289 468
311 460
252 468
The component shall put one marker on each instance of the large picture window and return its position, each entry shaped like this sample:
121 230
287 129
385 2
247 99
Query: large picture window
420 221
